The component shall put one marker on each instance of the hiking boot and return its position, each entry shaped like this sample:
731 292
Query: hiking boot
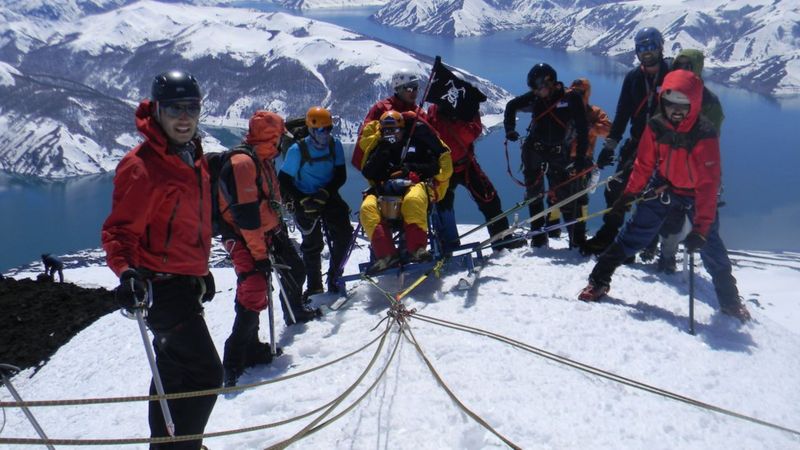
421 255
309 292
509 242
554 233
738 311
260 354
540 240
303 314
593 292
629 260
384 263
231 376
668 265
649 253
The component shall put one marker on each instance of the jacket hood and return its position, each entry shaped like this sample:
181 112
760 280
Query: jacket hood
147 125
585 87
264 133
695 57
690 85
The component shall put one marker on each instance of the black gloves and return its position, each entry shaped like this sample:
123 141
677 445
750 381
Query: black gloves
313 204
606 157
211 288
512 135
131 290
581 163
621 205
694 241
263 265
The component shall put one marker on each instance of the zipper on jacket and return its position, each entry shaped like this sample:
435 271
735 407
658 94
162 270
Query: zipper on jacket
169 229
199 172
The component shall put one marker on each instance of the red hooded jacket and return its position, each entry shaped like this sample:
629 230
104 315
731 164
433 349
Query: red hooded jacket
686 156
458 134
161 208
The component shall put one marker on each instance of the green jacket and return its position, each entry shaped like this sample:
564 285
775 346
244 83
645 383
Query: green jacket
712 108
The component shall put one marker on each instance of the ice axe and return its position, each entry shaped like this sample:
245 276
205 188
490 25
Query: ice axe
139 311
18 398
691 292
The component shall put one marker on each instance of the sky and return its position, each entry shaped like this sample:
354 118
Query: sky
639 332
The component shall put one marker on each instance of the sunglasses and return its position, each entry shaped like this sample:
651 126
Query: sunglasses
411 87
175 110
647 47
676 106
540 83
322 130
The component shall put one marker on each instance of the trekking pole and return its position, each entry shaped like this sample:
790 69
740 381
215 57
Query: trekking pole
691 293
18 398
271 314
138 312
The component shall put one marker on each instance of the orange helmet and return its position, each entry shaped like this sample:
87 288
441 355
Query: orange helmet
318 117
392 119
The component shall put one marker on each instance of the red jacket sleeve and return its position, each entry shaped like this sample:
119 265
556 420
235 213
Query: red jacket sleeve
704 164
646 158
130 206
247 211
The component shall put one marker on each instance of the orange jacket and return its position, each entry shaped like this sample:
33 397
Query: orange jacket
247 207
161 208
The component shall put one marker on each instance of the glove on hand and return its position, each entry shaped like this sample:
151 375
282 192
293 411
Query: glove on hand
263 265
606 157
621 205
512 135
694 241
131 290
413 177
581 163
211 288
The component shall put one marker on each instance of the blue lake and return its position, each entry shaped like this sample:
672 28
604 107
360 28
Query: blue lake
760 156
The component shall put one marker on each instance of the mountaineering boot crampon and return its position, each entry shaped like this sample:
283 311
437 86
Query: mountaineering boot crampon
593 292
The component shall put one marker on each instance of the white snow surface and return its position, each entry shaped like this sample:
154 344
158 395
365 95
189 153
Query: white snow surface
639 332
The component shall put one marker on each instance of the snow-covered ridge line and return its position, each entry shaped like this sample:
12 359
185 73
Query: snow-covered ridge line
245 60
750 44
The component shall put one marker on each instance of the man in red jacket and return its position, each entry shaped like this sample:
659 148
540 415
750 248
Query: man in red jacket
157 240
682 148
460 136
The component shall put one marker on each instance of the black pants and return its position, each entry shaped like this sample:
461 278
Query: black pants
336 216
186 358
481 190
615 187
540 162
242 348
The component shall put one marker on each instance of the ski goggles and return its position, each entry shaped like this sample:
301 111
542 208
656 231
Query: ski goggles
409 87
175 110
647 46
680 107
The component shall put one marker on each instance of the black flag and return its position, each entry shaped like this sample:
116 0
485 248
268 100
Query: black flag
453 95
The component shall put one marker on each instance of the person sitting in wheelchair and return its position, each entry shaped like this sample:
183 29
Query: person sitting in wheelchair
406 175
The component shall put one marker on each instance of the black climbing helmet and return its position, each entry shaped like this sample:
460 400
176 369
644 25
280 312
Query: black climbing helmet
175 85
648 39
539 74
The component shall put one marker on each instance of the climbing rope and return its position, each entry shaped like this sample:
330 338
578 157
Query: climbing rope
602 373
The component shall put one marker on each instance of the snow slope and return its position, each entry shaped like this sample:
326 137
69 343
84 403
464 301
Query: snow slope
639 332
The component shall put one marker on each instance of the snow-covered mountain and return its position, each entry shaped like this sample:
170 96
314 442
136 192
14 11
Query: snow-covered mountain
328 4
639 332
245 60
754 44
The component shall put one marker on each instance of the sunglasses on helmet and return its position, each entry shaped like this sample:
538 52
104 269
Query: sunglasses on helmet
647 46
175 110
410 87
676 106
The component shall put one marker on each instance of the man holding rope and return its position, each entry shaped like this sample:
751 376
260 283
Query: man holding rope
558 117
312 173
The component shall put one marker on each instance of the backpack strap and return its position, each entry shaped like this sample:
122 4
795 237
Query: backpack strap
305 155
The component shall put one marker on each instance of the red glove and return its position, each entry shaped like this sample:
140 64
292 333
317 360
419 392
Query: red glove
413 177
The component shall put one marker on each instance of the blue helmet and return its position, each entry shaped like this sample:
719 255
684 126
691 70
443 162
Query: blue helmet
648 39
